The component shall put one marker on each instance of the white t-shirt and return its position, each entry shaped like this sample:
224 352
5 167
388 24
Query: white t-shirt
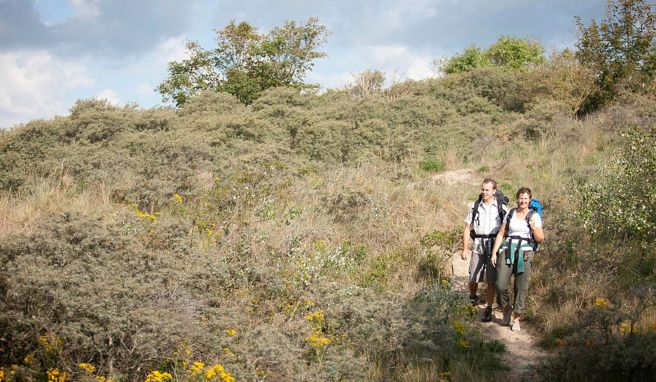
518 226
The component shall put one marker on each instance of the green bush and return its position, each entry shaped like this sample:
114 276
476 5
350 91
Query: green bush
432 165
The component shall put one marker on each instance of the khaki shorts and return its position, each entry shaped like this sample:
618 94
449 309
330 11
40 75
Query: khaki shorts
481 268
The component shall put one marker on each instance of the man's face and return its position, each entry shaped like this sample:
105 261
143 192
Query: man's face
488 192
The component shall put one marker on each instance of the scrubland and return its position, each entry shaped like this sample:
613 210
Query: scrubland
305 236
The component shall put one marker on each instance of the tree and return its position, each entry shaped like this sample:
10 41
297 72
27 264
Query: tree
473 57
515 53
620 50
368 83
510 53
245 62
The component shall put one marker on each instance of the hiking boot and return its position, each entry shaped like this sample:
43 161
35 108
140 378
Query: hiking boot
473 299
507 313
514 326
487 315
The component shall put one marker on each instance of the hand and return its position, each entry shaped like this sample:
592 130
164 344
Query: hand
463 255
493 259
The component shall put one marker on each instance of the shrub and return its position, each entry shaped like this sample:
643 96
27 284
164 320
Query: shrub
431 164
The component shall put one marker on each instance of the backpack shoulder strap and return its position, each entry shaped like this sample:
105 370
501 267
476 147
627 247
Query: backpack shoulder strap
477 204
508 218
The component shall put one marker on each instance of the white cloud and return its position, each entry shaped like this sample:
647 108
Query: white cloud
399 12
110 96
401 61
144 89
35 84
86 8
172 49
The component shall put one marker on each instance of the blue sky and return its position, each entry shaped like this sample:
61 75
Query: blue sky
54 52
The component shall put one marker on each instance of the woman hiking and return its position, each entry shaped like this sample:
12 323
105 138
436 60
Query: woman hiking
518 238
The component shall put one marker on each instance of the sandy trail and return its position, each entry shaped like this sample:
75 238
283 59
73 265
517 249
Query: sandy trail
522 354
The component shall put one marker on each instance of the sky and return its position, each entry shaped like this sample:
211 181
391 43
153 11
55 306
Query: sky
54 52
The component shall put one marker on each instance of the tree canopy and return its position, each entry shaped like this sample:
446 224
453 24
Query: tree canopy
245 62
507 53
620 50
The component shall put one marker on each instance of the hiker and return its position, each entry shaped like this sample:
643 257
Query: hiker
518 239
482 224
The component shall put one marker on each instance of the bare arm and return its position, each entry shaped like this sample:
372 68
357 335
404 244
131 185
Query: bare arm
465 242
497 243
538 233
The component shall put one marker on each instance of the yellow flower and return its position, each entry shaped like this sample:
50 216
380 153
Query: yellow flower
625 327
316 317
29 359
2 375
218 370
158 376
318 340
54 375
463 343
87 367
231 332
197 368
601 303
178 198
459 327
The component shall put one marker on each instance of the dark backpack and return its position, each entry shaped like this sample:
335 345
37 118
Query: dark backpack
502 201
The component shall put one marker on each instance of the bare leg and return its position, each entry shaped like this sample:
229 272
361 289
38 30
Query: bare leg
473 287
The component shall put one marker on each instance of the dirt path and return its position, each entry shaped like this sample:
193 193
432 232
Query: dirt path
522 354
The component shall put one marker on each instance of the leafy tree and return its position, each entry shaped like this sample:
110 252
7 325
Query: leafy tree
620 50
473 57
245 62
515 53
620 206
507 53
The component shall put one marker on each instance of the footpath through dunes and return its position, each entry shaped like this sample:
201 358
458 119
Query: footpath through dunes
522 354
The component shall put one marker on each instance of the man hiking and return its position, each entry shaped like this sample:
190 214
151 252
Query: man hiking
484 218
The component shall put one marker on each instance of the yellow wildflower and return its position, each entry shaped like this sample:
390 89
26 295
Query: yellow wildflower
316 317
231 332
54 375
29 359
158 376
459 327
145 215
625 327
87 367
601 303
218 370
197 368
463 343
318 340
2 375
178 198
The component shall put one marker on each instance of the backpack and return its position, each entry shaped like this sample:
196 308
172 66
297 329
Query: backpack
502 201
536 206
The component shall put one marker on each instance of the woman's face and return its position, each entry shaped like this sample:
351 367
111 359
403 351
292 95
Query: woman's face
523 200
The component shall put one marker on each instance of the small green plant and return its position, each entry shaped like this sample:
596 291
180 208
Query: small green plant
432 165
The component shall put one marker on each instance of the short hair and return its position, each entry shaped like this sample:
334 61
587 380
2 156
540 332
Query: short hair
489 180
524 190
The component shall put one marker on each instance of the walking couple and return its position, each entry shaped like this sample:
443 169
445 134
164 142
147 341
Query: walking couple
504 243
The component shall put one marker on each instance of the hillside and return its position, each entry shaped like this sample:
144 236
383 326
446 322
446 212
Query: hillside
308 236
